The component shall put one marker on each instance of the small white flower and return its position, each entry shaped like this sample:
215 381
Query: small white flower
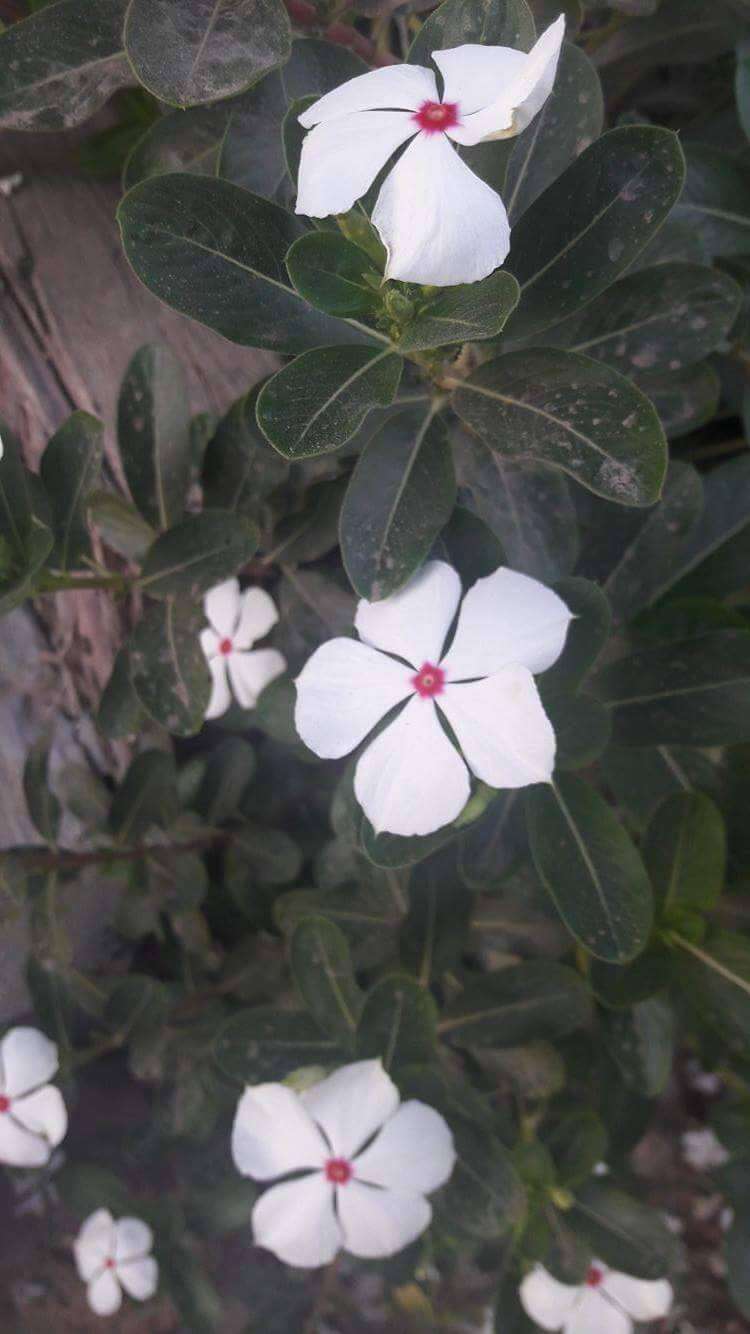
439 222
33 1119
605 1303
361 1194
702 1150
411 779
236 621
113 1255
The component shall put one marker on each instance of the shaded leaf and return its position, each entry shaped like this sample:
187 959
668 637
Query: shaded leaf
489 22
521 1003
147 796
623 1232
198 553
153 433
120 525
70 470
167 666
398 1023
239 467
43 806
265 1043
685 851
716 200
462 314
330 272
322 968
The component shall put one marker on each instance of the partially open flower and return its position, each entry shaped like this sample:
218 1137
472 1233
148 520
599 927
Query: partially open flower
439 222
113 1255
606 1303
33 1119
368 1164
236 621
411 779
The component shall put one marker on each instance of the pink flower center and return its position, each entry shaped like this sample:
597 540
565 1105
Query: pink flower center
338 1171
109 1264
594 1277
435 117
225 646
429 680
4 1104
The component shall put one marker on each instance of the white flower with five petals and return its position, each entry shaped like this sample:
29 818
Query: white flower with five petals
33 1119
236 621
605 1303
411 779
440 223
703 1150
368 1162
113 1255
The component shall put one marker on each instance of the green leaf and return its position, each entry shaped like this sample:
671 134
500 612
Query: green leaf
240 469
43 806
588 227
489 22
521 1003
398 1023
70 470
312 608
259 855
434 932
197 554
582 728
331 273
184 141
587 634
153 433
120 525
726 514
168 667
318 402
147 796
230 766
264 1043
206 50
216 253
489 848
400 496
313 531
119 713
577 1141
685 399
685 850
470 546
623 1232
641 778
566 410
322 968
641 1042
368 909
462 314
714 979
60 65
591 868
716 200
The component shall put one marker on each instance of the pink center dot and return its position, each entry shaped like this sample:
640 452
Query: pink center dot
225 646
109 1264
594 1277
435 117
4 1104
338 1171
429 680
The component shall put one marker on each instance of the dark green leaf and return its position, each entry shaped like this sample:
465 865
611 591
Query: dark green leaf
714 978
229 768
70 469
641 778
147 796
716 200
168 668
43 806
120 713
726 514
239 467
577 1142
462 314
153 433
623 1232
188 141
641 1042
313 608
489 22
489 848
685 399
398 1023
260 855
322 967
120 525
587 635
330 272
470 546
433 935
582 728
197 554
685 851
265 1043
521 1003
314 530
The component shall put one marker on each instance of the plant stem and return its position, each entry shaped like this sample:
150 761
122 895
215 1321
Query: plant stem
56 583
66 860
709 961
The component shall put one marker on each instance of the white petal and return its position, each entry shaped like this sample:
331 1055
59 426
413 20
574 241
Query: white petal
439 222
220 697
43 1113
523 96
341 158
133 1239
376 1223
414 622
94 1244
351 1104
273 1134
394 86
641 1298
593 1314
546 1301
27 1059
474 76
258 615
507 618
140 1278
251 672
413 1153
210 642
222 607
296 1221
104 1294
19 1147
343 690
411 779
505 736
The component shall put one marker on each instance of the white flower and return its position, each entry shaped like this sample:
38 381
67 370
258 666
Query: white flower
361 1194
411 779
439 222
33 1119
702 1150
113 1255
606 1303
236 621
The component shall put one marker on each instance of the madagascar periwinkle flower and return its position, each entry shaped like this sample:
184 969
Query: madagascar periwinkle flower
111 1255
33 1119
605 1303
703 1150
368 1162
235 622
413 779
439 222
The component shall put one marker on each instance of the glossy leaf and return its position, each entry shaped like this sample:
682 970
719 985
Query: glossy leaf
685 851
434 932
184 141
684 400
462 314
489 22
240 469
716 200
153 432
167 666
726 515
586 637
398 1023
70 470
197 554
266 1044
521 1003
641 1042
623 1232
331 273
322 968
714 978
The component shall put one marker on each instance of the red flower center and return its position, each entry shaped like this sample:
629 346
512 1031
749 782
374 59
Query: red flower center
225 646
338 1171
109 1264
594 1277
429 680
435 117
4 1104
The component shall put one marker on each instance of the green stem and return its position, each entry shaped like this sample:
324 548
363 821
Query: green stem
57 583
708 960
47 861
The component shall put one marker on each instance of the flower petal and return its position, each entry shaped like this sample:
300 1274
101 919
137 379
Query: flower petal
413 1153
439 222
27 1059
257 616
133 1239
222 607
341 158
220 697
414 622
411 779
522 96
593 1314
140 1278
251 672
546 1301
43 1113
210 642
643 1299
19 1147
94 1244
474 75
507 618
351 1104
296 1221
343 690
505 736
105 1294
273 1134
396 86
376 1223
